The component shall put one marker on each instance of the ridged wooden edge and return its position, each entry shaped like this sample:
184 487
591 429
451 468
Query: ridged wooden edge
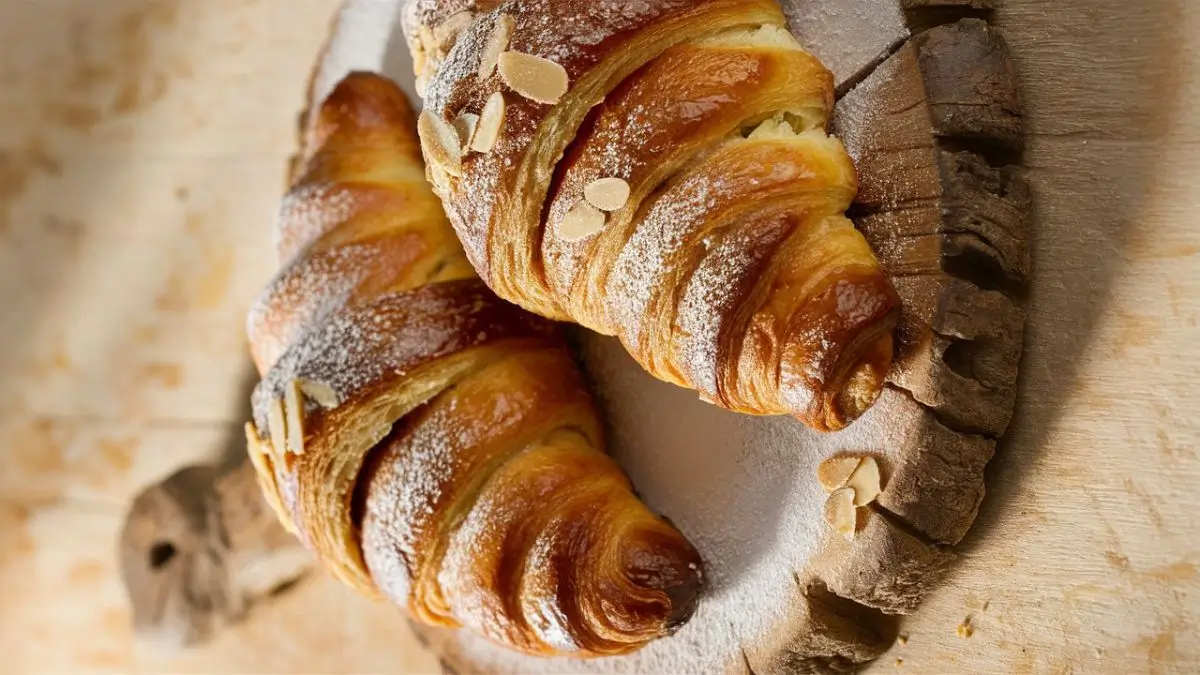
936 131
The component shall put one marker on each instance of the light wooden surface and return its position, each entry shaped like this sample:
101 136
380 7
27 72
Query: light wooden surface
140 161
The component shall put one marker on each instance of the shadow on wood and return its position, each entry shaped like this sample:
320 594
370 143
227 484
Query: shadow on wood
1087 97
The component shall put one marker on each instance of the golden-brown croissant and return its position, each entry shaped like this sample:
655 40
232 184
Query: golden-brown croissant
659 171
428 440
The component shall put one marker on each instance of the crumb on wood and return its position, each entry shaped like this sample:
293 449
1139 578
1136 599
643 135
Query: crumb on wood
902 639
985 605
899 662
965 630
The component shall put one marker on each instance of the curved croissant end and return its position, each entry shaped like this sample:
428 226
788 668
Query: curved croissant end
661 172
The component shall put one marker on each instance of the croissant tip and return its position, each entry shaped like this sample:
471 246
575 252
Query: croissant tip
685 598
863 384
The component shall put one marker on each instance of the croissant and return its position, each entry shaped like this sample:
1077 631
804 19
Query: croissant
659 171
429 441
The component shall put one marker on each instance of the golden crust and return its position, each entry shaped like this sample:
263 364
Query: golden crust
496 205
685 102
439 405
662 95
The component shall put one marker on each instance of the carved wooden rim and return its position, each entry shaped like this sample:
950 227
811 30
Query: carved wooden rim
946 207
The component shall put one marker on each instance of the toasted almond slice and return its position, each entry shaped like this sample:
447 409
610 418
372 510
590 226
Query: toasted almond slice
428 42
865 481
465 125
490 124
258 449
293 407
446 33
607 194
533 77
583 220
497 44
277 427
439 141
835 471
322 393
840 513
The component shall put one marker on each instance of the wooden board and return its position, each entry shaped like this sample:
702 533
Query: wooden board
1084 555
924 116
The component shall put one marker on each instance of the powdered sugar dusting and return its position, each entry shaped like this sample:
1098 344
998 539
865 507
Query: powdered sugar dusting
670 223
304 294
308 212
847 35
431 459
711 296
359 346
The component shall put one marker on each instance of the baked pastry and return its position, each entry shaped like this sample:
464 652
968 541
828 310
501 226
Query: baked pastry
429 441
660 171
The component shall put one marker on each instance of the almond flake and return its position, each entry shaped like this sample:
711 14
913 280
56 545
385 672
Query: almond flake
835 471
293 407
439 142
533 77
865 481
465 125
428 42
277 427
607 194
321 393
446 33
490 124
840 513
497 44
583 220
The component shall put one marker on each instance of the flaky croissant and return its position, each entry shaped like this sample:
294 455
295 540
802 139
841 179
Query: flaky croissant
428 440
659 171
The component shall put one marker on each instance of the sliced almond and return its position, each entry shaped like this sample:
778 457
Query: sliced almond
533 77
446 33
835 471
277 427
607 194
258 449
259 453
465 125
583 220
497 44
439 142
490 124
865 481
840 513
428 42
293 408
320 392
425 75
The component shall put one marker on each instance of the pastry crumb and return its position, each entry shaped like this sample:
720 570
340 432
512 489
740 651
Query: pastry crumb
965 630
902 640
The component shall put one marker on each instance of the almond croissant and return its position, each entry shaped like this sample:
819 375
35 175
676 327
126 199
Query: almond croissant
659 171
428 440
